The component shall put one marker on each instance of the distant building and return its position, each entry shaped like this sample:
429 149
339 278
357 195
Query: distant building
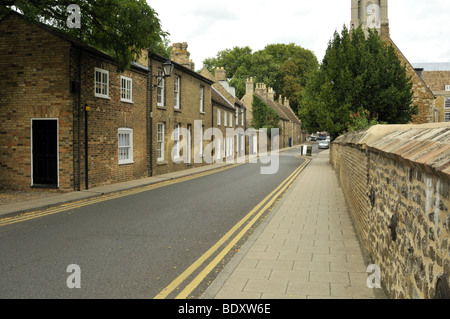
374 14
437 77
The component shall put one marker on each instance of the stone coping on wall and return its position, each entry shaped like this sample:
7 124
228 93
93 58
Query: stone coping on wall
425 146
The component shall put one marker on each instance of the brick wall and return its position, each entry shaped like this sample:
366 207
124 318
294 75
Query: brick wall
422 95
34 84
187 114
107 115
37 67
407 174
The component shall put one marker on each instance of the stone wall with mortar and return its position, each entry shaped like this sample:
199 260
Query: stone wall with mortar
396 180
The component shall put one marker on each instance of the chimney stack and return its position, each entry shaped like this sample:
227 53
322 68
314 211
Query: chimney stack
181 55
270 94
221 74
261 90
249 89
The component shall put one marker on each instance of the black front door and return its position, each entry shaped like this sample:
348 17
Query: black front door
45 153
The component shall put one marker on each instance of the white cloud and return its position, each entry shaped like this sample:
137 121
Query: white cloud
417 27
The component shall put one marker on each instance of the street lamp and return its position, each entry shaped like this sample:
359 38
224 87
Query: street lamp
167 72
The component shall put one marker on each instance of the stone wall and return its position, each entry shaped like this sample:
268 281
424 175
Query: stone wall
396 180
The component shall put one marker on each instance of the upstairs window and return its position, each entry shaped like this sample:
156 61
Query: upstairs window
101 83
225 116
447 102
126 89
218 117
176 92
202 99
161 88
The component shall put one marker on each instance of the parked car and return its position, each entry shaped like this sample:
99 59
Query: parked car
324 144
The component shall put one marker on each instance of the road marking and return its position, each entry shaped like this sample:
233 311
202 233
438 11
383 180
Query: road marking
189 271
103 198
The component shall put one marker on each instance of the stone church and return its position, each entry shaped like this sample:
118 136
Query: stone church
374 14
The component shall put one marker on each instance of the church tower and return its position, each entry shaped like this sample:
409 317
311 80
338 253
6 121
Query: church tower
371 14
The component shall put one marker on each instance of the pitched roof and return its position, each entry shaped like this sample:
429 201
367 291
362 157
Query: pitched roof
218 98
273 106
442 66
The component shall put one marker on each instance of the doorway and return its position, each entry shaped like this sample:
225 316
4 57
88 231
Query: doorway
44 152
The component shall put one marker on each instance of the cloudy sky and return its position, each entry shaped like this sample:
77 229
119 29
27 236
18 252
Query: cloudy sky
420 28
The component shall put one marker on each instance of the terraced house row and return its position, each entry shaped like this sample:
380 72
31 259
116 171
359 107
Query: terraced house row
69 120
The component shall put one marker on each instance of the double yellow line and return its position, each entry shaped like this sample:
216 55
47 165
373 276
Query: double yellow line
86 202
268 201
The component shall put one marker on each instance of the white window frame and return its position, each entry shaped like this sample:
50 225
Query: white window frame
447 102
446 116
129 132
160 91
225 118
202 99
231 119
101 88
126 89
219 112
237 117
176 92
160 142
447 88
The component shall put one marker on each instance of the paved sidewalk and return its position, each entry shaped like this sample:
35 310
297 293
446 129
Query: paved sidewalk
307 248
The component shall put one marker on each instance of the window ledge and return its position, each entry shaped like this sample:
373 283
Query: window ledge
159 163
103 97
126 163
126 101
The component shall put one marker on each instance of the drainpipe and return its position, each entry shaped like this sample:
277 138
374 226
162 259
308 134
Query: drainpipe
86 161
150 115
79 122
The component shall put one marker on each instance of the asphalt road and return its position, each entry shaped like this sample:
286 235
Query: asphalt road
133 246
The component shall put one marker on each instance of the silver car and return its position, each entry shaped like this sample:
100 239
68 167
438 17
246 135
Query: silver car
324 144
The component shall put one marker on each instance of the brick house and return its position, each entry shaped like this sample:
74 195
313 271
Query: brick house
47 81
290 126
52 85
228 113
437 78
179 103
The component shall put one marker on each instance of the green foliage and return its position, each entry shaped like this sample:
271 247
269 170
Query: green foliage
358 73
263 115
284 67
361 121
121 28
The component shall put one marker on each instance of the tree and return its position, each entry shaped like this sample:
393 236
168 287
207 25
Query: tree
263 115
121 28
362 74
284 67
